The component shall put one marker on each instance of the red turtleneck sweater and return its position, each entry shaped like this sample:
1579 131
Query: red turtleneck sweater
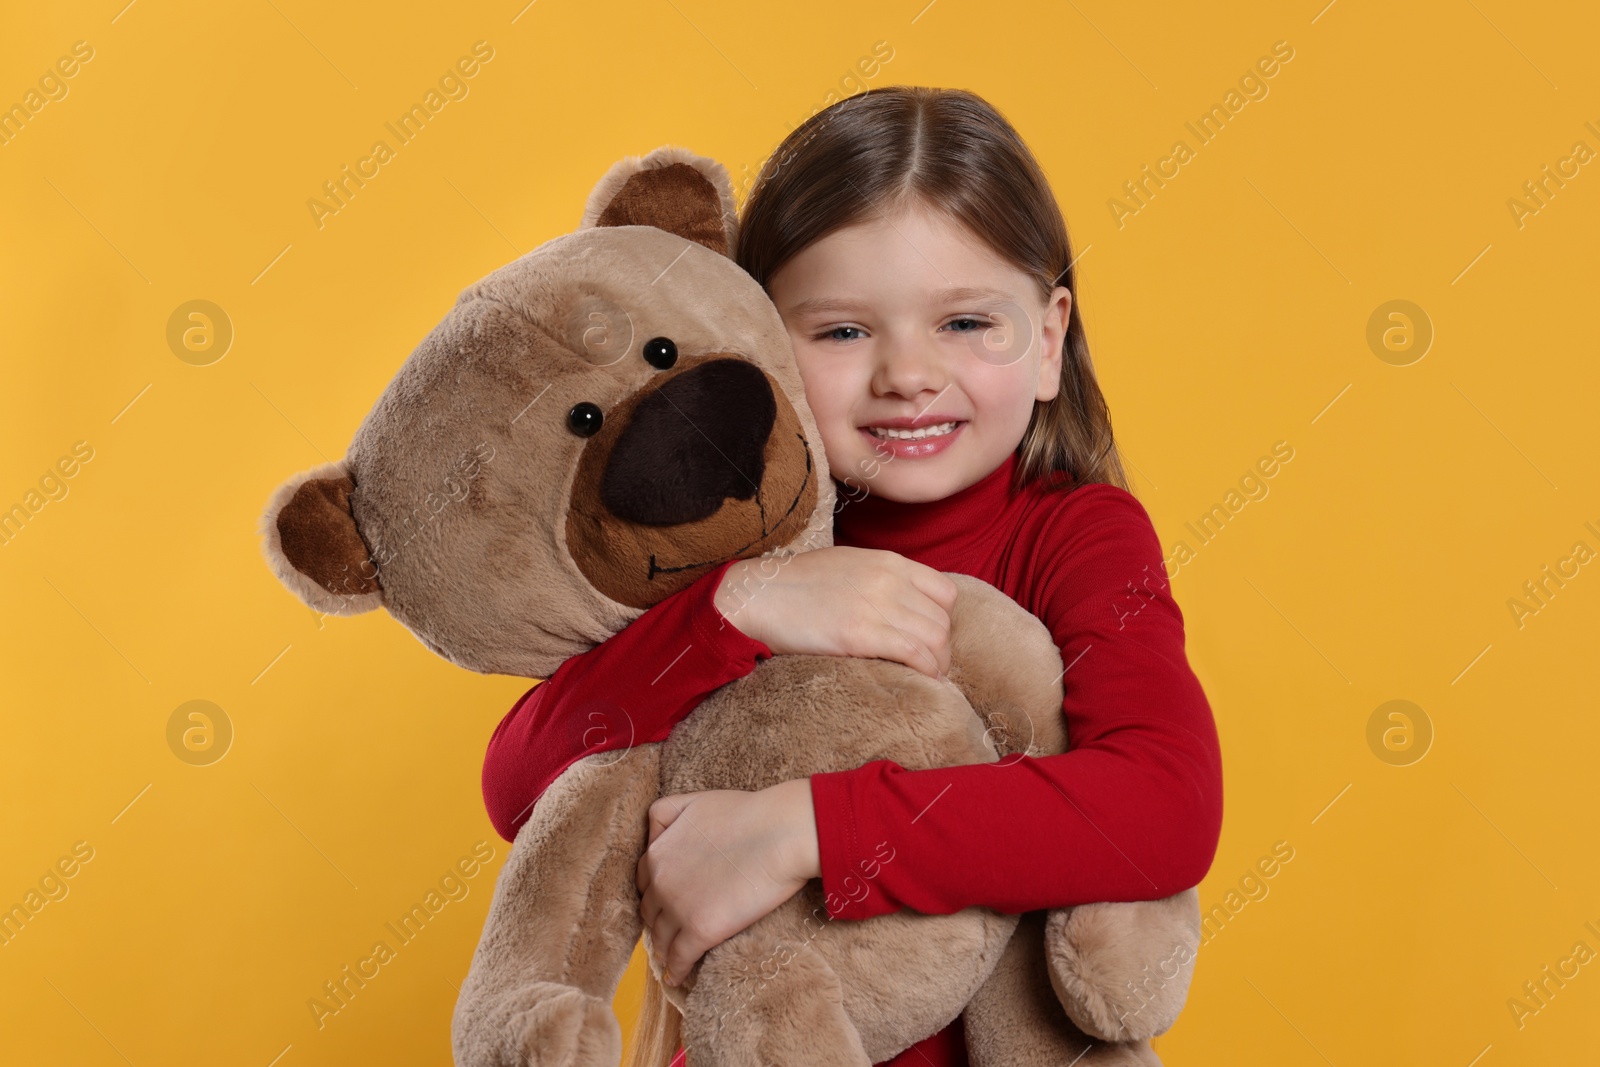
1132 812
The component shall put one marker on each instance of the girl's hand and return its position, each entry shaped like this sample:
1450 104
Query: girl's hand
843 601
717 861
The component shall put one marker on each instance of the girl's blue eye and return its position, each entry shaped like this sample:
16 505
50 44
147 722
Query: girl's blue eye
833 334
976 324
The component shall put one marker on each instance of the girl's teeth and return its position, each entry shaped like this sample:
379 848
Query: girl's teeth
938 430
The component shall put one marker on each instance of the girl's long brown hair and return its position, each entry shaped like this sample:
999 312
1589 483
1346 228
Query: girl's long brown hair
948 148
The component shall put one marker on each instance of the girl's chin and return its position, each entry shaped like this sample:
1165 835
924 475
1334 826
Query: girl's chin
902 482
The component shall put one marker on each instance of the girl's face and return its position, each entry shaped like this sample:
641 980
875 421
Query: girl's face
921 351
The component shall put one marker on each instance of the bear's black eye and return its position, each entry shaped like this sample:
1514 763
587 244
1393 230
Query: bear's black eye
660 352
584 419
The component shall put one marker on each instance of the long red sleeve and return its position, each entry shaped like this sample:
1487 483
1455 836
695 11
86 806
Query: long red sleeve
1132 812
629 690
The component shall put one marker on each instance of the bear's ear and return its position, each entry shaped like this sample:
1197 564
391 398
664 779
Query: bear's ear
312 544
671 189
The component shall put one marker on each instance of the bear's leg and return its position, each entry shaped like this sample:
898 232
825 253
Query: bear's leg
1015 1020
759 1001
797 987
1122 970
562 924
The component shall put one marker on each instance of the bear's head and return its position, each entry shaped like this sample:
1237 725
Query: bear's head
590 429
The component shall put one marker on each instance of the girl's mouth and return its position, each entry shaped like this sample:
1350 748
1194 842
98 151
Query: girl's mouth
913 443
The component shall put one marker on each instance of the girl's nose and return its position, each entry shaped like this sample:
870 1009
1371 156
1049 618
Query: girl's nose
906 369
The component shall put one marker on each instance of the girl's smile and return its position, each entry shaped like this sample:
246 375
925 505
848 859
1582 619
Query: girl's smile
916 342
911 438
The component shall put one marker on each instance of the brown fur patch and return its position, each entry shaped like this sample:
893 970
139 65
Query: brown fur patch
319 537
676 198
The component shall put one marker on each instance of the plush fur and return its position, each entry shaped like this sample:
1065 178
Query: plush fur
528 484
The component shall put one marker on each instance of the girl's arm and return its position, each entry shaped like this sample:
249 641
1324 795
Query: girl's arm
1132 812
636 686
629 690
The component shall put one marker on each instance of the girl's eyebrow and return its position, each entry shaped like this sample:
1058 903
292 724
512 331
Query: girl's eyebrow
956 294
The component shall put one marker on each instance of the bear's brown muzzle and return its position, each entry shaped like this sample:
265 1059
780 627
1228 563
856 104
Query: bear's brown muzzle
706 464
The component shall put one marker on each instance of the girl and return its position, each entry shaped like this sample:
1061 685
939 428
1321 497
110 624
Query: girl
921 266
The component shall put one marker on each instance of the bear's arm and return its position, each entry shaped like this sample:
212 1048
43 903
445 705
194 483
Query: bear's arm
629 690
1132 811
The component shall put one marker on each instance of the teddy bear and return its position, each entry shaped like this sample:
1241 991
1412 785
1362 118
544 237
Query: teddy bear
588 430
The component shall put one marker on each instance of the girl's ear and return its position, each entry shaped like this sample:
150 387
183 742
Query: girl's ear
1052 338
671 189
312 544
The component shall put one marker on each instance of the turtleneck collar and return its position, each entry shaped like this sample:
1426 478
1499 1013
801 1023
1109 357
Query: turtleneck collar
938 533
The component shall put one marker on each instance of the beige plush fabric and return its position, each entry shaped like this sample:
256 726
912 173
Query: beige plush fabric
542 469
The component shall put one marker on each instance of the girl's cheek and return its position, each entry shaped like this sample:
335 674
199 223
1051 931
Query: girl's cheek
827 394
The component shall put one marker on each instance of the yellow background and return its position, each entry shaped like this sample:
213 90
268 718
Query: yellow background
1226 315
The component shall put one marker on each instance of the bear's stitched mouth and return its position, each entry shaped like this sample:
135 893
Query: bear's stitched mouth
766 527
